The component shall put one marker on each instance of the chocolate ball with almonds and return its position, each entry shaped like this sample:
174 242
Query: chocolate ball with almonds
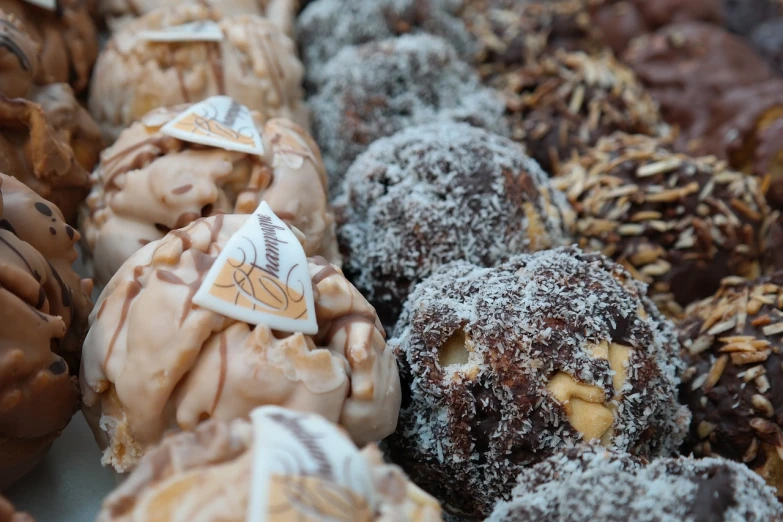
585 483
43 320
155 361
563 103
255 63
503 367
678 223
149 183
437 193
733 383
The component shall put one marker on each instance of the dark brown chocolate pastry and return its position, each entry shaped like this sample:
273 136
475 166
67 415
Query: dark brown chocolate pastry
678 223
620 21
43 319
433 194
768 40
328 26
734 380
67 40
506 366
687 68
564 102
743 16
9 514
34 152
589 483
379 88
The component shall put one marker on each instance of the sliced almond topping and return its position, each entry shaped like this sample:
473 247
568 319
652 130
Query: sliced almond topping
715 372
752 373
773 329
740 358
762 383
762 405
705 428
762 425
752 452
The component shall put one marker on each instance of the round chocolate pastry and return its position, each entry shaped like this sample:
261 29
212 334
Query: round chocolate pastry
327 26
437 193
374 90
502 367
149 183
687 68
66 40
154 360
743 16
621 20
679 224
280 12
255 64
563 103
585 483
206 476
767 38
9 514
731 343
37 153
43 319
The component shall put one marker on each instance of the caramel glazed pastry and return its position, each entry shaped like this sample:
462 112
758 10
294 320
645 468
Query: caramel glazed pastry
66 40
282 13
255 63
43 319
205 476
153 360
734 381
149 183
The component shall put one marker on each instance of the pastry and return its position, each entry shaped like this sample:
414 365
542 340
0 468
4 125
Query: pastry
680 224
374 90
437 193
503 367
43 320
153 360
255 63
150 183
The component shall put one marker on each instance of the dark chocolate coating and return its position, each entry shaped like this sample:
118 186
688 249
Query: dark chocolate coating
678 223
467 430
734 381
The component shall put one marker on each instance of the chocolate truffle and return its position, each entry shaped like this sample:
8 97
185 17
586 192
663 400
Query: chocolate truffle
255 63
687 68
677 223
325 27
279 12
743 16
149 183
66 38
437 193
35 152
43 320
731 344
564 102
207 474
374 90
9 514
153 360
504 366
585 484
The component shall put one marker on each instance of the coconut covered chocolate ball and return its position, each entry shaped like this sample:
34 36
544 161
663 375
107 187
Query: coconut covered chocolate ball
255 63
325 27
565 102
153 360
731 344
66 40
502 367
43 320
437 193
150 183
589 483
374 90
207 476
678 223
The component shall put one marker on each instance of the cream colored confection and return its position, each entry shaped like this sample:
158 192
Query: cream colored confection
255 63
153 360
149 183
206 476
